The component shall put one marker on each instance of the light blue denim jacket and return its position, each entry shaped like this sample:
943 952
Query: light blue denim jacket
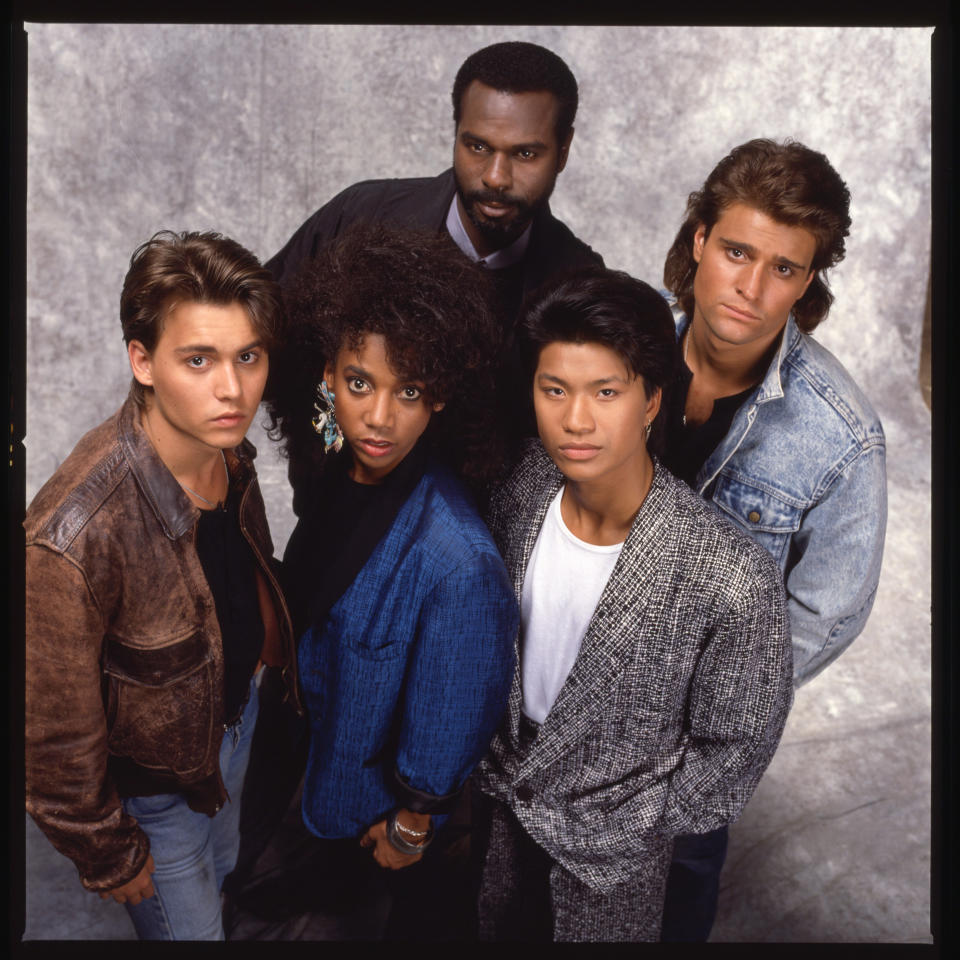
802 471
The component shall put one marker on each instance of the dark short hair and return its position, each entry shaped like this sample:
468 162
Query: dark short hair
613 309
518 67
171 268
429 302
791 184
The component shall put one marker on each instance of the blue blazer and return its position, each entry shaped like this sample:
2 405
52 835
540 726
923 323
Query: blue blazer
407 679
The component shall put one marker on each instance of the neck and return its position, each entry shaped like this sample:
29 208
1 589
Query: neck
602 511
190 461
734 366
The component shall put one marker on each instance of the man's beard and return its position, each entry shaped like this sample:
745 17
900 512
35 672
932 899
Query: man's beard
498 234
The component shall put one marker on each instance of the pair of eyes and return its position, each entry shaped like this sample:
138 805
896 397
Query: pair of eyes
201 362
604 393
738 255
409 392
522 153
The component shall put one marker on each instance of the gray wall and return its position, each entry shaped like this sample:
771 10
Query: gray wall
247 129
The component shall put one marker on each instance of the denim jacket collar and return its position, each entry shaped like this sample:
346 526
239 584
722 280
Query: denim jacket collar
771 387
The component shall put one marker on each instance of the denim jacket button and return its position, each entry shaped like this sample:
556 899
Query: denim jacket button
753 516
524 793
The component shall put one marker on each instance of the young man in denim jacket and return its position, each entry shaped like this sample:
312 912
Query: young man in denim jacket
767 424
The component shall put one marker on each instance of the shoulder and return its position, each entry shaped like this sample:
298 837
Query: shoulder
377 198
715 551
533 473
445 520
552 237
813 377
78 489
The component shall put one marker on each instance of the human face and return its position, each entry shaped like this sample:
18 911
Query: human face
505 160
382 415
592 413
207 369
752 270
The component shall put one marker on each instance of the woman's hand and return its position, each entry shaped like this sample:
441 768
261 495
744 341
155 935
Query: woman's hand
387 855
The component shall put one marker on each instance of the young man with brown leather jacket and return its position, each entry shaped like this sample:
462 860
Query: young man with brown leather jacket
151 606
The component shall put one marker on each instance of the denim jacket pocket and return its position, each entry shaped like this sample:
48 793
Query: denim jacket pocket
156 699
761 514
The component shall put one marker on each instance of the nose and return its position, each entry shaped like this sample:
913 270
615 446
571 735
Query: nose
379 413
751 281
498 174
577 415
228 383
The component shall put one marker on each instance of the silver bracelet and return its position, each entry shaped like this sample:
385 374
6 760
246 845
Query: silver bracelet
407 832
404 846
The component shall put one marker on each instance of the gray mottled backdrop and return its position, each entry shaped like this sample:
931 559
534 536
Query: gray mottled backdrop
247 129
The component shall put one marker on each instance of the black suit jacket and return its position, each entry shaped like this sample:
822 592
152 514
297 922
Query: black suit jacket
422 203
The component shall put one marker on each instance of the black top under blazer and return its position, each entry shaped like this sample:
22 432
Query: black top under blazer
678 696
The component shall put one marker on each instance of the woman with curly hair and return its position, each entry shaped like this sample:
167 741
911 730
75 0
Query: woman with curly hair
406 617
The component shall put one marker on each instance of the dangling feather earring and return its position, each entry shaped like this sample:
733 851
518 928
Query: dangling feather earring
325 422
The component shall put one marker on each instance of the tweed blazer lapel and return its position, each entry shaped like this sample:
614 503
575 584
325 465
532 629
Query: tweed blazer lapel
528 520
610 641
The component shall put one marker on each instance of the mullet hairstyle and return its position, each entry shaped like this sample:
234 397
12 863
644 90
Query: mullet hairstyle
430 304
615 310
518 67
172 268
791 184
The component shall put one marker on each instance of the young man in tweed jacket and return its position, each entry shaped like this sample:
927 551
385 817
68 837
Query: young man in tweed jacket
654 668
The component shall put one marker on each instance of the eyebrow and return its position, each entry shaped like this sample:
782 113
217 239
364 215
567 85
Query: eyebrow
752 250
207 348
593 383
531 145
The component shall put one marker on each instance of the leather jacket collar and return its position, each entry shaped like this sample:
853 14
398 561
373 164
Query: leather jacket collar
173 508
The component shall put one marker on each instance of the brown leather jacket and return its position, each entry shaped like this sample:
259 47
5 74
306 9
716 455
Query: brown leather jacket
124 662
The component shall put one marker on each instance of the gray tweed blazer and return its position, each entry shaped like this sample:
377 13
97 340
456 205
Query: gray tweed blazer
676 701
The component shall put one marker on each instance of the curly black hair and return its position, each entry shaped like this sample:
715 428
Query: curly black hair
433 308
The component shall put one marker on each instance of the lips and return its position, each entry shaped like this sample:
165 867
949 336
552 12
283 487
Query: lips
579 451
375 448
495 210
738 314
228 419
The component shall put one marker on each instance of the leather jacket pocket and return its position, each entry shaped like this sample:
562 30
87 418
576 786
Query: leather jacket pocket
160 703
761 514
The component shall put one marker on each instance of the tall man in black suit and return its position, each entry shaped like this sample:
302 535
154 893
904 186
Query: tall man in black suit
514 105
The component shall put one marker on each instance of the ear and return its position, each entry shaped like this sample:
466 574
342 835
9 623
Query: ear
653 405
437 407
813 273
699 239
564 151
328 372
141 364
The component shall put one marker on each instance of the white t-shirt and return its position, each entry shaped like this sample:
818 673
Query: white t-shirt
563 584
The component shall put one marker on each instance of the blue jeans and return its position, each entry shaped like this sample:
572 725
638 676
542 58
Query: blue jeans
191 851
